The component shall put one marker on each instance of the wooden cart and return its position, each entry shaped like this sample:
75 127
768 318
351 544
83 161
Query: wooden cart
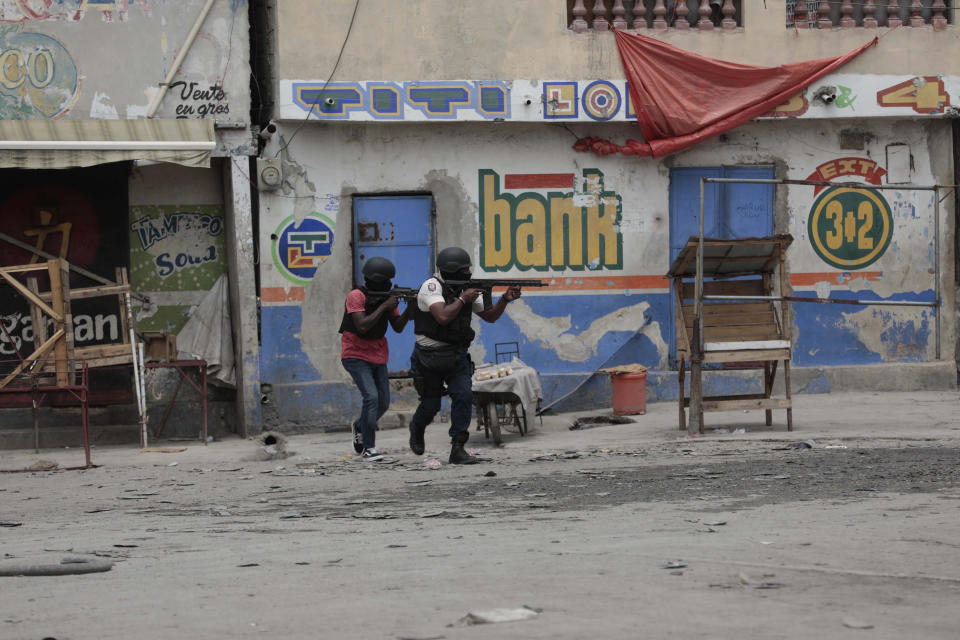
739 320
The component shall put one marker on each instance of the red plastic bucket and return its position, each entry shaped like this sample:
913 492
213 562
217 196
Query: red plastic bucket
629 393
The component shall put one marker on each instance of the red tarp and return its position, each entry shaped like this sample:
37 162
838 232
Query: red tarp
682 98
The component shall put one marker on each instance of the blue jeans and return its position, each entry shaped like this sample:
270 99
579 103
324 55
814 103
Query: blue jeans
429 385
374 387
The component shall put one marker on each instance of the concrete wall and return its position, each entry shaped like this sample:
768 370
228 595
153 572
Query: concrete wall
610 306
505 39
106 59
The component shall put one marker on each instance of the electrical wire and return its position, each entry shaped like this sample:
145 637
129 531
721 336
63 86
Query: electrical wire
336 64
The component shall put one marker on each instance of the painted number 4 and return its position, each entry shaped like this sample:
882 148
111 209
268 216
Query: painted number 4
849 227
925 95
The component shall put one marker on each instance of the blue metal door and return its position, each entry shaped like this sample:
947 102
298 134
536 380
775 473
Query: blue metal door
730 210
400 229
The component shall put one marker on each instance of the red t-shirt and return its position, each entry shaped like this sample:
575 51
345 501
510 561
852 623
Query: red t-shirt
355 346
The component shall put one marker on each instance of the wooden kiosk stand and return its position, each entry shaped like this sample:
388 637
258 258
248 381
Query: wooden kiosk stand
727 313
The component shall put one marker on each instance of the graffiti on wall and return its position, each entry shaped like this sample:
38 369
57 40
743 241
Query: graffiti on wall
38 77
200 101
601 100
924 94
176 247
397 101
849 228
549 221
300 247
68 10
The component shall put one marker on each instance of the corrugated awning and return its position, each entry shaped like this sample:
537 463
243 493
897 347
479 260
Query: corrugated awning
61 144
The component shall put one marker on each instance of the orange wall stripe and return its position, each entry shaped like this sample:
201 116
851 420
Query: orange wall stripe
833 277
599 283
282 294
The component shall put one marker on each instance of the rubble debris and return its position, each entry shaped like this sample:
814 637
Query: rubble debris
492 616
271 445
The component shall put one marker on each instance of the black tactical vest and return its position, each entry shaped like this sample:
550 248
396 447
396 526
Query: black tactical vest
458 331
376 331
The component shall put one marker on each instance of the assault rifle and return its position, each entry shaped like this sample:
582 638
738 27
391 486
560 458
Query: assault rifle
403 293
487 284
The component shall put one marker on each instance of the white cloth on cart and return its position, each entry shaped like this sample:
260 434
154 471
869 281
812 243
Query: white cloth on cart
523 382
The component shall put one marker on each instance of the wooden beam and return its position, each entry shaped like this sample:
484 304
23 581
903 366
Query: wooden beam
29 360
746 405
31 298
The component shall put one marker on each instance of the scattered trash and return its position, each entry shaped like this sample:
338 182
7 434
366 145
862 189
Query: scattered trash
173 464
290 516
806 444
721 430
835 446
589 422
432 463
249 564
43 465
739 431
767 585
853 623
493 616
673 564
490 474
11 524
714 523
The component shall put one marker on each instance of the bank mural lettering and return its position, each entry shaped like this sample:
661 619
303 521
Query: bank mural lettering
38 76
299 248
68 10
529 224
175 247
849 227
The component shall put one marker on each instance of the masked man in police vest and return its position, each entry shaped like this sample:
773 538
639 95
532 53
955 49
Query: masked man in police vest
364 351
441 321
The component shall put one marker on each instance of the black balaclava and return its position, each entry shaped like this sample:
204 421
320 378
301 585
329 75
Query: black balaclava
378 286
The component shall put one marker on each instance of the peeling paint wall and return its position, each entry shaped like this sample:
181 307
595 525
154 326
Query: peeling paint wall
609 302
78 60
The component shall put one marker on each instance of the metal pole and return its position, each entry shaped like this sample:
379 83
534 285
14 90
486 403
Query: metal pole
936 265
696 360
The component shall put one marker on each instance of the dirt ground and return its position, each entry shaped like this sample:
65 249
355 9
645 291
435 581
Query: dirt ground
615 531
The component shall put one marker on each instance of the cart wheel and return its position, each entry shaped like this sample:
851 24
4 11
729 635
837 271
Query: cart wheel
493 423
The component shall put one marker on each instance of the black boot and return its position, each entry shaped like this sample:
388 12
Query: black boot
459 455
416 439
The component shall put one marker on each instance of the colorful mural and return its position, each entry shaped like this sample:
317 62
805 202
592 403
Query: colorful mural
174 248
598 100
300 247
74 215
68 10
577 228
38 77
